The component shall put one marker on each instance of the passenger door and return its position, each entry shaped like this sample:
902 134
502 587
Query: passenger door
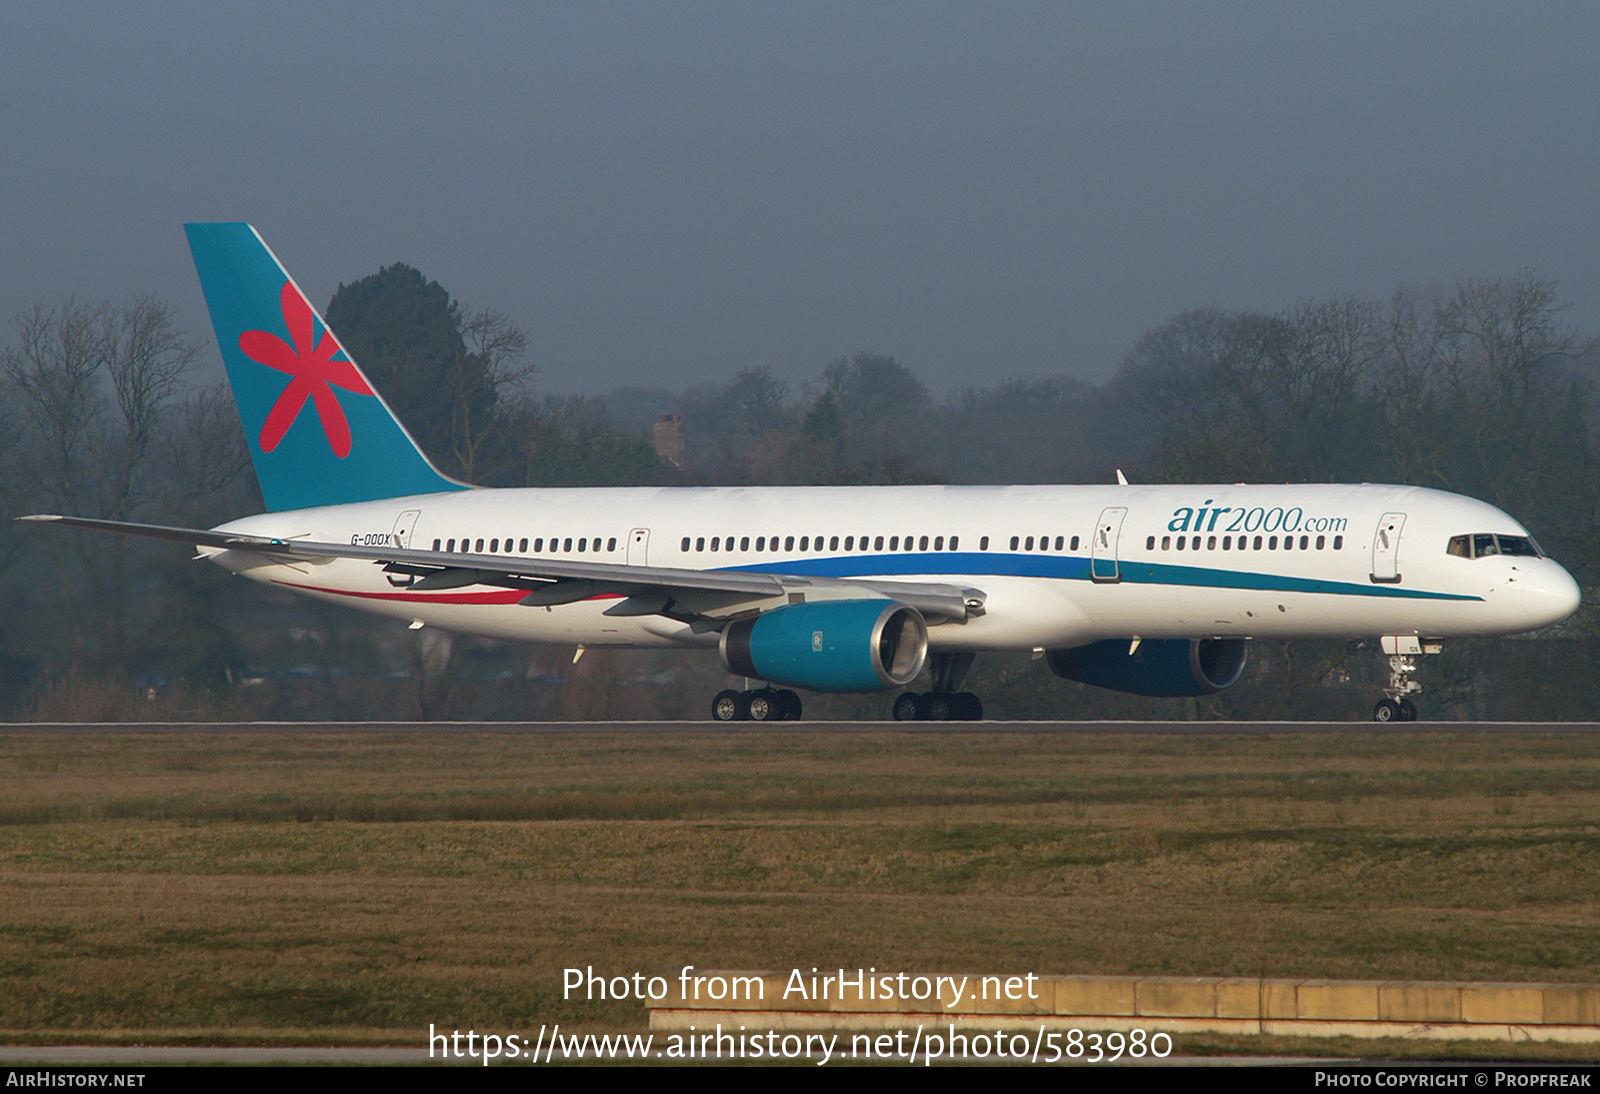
1103 549
403 527
1386 549
639 547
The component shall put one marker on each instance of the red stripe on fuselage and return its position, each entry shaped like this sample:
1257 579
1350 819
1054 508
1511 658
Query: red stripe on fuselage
497 596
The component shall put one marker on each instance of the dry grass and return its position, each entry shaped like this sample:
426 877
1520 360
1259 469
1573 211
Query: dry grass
348 885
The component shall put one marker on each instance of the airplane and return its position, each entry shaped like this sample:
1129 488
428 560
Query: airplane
1153 590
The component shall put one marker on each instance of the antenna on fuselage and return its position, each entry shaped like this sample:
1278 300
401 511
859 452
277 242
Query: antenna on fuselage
1122 480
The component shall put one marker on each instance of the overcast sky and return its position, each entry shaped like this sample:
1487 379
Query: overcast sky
662 193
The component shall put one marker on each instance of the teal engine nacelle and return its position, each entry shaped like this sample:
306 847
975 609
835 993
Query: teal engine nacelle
829 645
1169 667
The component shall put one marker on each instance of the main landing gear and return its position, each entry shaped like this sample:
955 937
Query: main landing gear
759 705
944 703
1397 704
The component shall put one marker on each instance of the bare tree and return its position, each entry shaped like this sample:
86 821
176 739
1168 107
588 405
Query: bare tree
493 368
93 386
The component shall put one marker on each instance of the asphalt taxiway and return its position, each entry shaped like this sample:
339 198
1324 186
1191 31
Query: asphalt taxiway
1257 729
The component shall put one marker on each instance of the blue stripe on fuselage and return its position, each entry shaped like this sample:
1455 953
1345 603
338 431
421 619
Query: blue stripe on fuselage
977 565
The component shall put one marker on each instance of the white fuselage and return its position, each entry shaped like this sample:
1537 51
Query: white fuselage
1059 565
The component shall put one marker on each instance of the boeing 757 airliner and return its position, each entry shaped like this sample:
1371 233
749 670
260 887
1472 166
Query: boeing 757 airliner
1154 590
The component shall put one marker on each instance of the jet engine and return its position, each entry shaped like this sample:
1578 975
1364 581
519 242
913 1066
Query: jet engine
1166 667
829 645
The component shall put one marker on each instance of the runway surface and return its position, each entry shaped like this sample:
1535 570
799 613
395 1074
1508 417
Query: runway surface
1256 729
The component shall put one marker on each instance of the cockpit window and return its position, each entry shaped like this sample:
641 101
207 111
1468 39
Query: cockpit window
1486 545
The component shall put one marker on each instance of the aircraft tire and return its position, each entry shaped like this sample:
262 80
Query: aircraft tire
967 707
1408 711
762 705
1388 710
789 703
728 706
908 707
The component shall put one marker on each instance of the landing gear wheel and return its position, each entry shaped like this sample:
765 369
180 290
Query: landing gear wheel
908 707
939 707
727 706
1408 711
762 706
967 707
1388 710
789 703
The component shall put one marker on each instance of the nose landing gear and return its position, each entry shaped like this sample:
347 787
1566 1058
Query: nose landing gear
1397 704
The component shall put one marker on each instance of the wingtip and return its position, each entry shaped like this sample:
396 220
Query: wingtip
42 517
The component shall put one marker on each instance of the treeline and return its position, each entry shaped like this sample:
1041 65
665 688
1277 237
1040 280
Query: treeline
1482 389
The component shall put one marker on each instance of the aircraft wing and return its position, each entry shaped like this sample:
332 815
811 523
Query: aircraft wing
685 594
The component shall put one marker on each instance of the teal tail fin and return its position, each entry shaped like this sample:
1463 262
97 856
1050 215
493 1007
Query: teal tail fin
319 433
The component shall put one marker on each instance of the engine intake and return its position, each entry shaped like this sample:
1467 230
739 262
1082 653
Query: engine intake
830 645
1170 667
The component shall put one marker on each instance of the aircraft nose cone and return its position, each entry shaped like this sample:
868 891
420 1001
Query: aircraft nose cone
1551 594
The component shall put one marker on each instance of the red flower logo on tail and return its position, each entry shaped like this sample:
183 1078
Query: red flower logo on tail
315 374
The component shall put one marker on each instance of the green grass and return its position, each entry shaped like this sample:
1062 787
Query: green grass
365 886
